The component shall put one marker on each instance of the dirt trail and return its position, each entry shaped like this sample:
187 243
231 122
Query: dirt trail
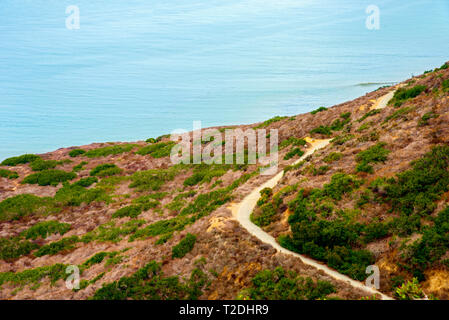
243 210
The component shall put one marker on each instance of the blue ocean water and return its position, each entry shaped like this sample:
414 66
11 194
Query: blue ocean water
137 69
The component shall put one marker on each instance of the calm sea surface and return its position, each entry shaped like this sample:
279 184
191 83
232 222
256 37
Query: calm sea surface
137 69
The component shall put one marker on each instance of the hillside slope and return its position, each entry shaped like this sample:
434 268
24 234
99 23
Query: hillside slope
139 227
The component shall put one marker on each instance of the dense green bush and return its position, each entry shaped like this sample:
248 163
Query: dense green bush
409 291
13 248
295 152
52 248
79 166
76 152
340 184
424 121
415 190
14 161
292 141
399 114
105 170
333 156
14 208
49 177
40 164
269 121
286 285
149 283
404 94
184 246
153 179
54 272
341 139
205 173
265 215
75 195
4 173
132 211
369 114
326 130
157 150
45 228
86 182
374 154
336 125
110 150
320 109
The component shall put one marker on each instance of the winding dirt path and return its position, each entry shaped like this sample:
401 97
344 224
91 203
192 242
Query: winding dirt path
243 210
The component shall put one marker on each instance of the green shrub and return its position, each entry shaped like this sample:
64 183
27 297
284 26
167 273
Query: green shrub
415 190
293 153
409 291
374 154
153 179
269 121
22 205
265 216
54 272
4 173
292 141
424 121
340 140
49 177
158 150
184 246
283 285
45 228
86 182
205 173
76 152
369 114
14 248
40 164
320 109
340 184
149 283
399 114
105 170
75 195
151 140
404 94
325 130
110 150
23 159
53 248
333 156
129 211
79 167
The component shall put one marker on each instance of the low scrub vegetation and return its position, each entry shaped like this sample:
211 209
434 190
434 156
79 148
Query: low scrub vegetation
105 170
23 159
110 150
149 283
8 174
157 150
374 154
404 94
184 246
49 177
280 284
